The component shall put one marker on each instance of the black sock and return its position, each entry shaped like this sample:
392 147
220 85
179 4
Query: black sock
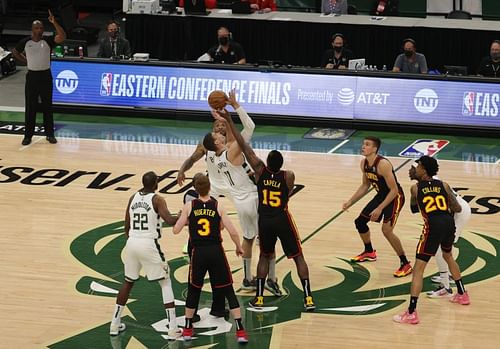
413 304
403 260
306 286
239 324
189 322
368 247
260 287
460 286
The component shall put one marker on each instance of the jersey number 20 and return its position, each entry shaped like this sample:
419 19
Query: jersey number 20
435 203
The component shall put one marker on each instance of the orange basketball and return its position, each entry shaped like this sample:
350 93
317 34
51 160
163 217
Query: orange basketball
217 100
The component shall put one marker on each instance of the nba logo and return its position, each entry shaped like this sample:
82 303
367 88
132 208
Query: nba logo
106 79
468 105
421 147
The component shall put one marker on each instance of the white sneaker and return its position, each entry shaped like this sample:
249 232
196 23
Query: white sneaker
115 329
437 279
440 292
174 333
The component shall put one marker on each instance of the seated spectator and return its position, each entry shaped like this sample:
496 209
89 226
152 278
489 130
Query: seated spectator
338 57
336 7
263 6
385 8
227 51
490 65
410 61
113 45
209 4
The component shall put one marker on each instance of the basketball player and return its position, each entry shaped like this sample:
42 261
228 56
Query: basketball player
436 202
386 204
236 173
143 216
460 218
274 187
206 217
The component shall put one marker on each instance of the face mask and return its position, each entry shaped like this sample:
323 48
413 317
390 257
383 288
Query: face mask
223 40
408 53
113 35
495 56
337 48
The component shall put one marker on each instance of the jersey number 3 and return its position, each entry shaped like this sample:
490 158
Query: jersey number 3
205 227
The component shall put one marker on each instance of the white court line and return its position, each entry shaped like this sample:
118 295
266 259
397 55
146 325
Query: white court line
7 108
338 146
32 142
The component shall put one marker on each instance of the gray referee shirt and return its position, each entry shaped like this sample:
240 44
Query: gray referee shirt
37 52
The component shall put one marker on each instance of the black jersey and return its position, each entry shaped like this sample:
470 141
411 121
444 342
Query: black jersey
432 198
273 192
378 182
204 223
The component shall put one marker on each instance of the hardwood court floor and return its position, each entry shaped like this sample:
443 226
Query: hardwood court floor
61 213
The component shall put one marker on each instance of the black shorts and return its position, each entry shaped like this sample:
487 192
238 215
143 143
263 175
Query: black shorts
279 227
438 230
390 213
209 258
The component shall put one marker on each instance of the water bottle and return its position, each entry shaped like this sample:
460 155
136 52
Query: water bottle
384 68
58 51
66 50
80 51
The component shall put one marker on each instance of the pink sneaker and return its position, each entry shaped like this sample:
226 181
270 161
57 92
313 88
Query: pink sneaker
461 298
407 318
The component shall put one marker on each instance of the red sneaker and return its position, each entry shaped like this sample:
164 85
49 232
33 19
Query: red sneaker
187 333
242 336
403 270
365 256
461 298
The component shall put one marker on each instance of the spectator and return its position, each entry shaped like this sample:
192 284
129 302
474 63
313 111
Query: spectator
338 57
410 61
227 51
263 6
114 45
335 7
490 65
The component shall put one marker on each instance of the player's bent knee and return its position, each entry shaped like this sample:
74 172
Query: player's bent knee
361 224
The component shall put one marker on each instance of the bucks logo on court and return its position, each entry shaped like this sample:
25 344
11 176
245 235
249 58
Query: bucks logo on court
100 248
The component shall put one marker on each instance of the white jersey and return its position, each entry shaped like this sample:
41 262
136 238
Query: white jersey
145 222
462 217
217 184
238 182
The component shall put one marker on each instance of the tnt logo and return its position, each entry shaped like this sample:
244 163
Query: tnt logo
426 101
468 105
106 79
421 147
66 82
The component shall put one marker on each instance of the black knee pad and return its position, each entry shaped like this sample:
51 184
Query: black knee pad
231 297
193 297
361 224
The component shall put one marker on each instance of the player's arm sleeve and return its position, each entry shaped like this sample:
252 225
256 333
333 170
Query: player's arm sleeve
248 124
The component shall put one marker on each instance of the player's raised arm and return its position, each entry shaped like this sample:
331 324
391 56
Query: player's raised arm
198 153
248 124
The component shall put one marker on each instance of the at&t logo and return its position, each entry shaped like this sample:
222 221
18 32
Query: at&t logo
66 82
426 101
346 96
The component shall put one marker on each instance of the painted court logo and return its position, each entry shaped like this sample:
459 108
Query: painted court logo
66 82
423 147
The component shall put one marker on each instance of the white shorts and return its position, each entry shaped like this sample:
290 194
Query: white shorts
144 254
248 215
461 218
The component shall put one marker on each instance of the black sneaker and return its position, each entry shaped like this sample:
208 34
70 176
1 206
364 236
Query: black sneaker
51 139
257 302
273 287
249 285
196 318
26 141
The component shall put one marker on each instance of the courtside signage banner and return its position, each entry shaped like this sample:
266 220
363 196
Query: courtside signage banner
305 95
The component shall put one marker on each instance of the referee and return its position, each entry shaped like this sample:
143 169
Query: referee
34 51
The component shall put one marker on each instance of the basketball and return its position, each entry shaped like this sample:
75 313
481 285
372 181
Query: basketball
217 100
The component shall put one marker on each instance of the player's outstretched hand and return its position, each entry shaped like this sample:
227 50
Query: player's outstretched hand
232 99
221 115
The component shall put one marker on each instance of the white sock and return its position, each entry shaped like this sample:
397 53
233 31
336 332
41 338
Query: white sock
272 269
117 315
247 265
443 269
172 319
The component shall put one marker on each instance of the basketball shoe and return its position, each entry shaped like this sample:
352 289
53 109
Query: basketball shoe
440 292
407 318
115 329
403 270
461 298
365 256
242 336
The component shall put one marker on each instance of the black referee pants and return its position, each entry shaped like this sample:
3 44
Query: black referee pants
38 84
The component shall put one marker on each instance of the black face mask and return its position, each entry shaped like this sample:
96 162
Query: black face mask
223 40
337 49
408 53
